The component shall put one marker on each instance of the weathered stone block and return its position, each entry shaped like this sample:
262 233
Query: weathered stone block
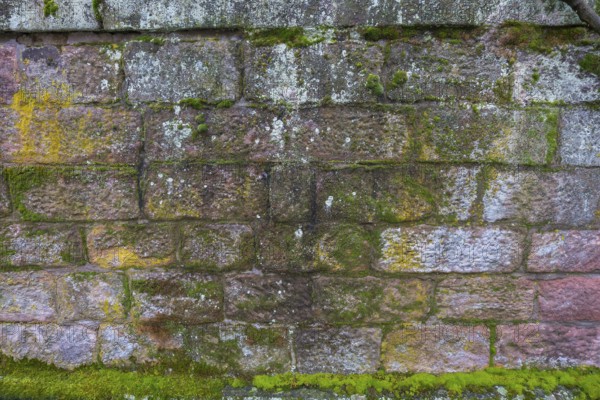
568 251
335 71
486 133
344 248
53 134
570 299
70 74
370 299
65 346
206 191
292 193
435 348
446 249
217 246
42 245
92 296
285 248
425 69
559 77
486 298
71 15
215 134
349 133
8 72
565 197
395 194
27 297
338 351
580 137
268 298
52 194
204 70
547 346
121 245
179 296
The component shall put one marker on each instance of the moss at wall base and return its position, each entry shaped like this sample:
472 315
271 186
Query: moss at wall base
34 380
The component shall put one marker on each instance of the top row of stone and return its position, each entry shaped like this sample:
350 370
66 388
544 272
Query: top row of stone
171 15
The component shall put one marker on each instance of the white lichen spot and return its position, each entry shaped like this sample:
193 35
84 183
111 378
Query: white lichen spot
328 203
298 233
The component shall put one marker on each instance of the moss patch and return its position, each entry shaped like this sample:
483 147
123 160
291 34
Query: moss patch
96 8
590 63
50 8
292 37
374 34
540 39
374 84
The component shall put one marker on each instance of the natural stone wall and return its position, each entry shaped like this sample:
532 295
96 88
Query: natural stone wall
340 198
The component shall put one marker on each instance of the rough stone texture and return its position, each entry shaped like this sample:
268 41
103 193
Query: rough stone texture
486 298
580 137
120 245
370 299
435 349
338 351
44 245
291 193
212 192
66 346
436 71
560 78
443 249
485 133
570 299
188 14
70 74
176 71
568 251
72 15
91 296
217 246
285 247
4 197
8 72
267 298
336 71
27 297
395 195
74 193
73 135
562 197
547 346
184 297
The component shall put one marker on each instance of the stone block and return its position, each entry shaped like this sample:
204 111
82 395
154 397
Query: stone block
370 299
177 296
123 245
565 251
217 246
337 350
171 72
580 137
27 297
570 299
43 245
486 298
435 349
74 194
447 249
292 193
213 192
54 134
268 298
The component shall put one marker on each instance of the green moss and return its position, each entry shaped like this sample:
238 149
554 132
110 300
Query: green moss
127 299
96 8
399 79
551 136
50 8
21 180
540 39
197 104
535 76
590 63
151 39
199 131
503 89
292 37
374 84
264 337
225 104
493 339
374 34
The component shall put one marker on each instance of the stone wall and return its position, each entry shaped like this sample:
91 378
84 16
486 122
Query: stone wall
327 196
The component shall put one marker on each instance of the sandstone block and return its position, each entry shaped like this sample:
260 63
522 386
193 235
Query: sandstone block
370 299
291 194
486 298
570 299
568 251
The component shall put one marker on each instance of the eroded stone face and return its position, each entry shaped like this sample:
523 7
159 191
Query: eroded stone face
568 251
442 249
338 351
434 349
569 299
8 73
27 297
71 15
175 71
580 138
